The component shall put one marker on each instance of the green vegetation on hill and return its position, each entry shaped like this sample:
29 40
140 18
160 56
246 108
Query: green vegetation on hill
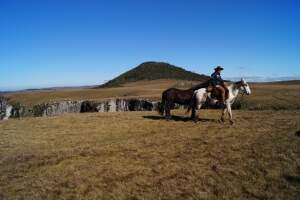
153 71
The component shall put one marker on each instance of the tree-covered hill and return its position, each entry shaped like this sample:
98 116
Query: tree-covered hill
153 71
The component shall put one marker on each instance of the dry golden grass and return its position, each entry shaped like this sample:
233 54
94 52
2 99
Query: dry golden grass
264 96
138 155
142 89
274 96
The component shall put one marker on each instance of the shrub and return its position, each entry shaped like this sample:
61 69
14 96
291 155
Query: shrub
38 110
240 104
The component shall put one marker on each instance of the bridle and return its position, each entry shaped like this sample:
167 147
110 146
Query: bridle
243 90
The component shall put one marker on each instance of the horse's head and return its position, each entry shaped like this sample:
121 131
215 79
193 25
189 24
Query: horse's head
244 87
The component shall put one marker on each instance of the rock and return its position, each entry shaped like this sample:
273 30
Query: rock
5 108
140 105
88 106
58 108
19 111
122 105
7 112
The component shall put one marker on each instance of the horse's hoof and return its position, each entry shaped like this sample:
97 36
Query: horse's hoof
231 122
168 118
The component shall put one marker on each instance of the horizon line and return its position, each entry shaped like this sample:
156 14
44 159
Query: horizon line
255 79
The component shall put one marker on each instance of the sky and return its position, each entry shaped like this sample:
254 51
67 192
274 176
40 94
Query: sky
46 43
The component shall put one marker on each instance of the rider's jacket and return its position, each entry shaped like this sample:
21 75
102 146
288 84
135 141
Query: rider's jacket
216 79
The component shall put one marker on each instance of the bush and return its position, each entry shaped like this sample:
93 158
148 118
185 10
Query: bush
240 104
38 110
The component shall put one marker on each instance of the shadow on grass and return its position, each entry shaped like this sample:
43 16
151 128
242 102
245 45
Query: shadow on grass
292 179
180 118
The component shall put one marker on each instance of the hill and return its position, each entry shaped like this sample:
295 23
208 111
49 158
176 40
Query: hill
154 71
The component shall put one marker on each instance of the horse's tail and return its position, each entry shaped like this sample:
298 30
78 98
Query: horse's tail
162 104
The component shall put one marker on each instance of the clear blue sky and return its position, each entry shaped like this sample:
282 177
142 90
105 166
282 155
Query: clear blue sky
71 42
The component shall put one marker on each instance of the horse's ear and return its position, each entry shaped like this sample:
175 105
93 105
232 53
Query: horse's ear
242 80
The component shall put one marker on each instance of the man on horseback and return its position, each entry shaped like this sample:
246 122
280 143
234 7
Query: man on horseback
217 85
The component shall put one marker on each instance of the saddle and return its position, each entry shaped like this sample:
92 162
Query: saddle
216 93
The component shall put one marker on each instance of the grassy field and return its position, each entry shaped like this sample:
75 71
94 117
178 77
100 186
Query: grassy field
139 155
276 96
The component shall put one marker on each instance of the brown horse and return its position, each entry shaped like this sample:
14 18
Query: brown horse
172 96
181 97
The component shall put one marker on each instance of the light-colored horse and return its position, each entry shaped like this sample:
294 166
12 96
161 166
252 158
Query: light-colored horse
235 88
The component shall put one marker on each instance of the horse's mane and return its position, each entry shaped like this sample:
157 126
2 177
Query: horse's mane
205 84
228 82
238 82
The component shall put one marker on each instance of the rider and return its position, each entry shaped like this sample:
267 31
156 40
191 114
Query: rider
218 83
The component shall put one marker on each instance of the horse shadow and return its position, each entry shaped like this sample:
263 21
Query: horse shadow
180 118
292 179
297 133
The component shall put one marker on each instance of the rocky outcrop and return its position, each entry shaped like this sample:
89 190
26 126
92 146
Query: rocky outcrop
118 105
58 108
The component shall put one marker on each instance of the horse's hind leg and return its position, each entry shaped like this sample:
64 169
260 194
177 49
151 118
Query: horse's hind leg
223 114
192 105
193 115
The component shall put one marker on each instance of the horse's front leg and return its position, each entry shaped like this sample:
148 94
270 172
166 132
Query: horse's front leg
168 111
228 105
193 115
194 111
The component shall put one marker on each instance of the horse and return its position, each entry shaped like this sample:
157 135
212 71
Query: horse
172 96
202 96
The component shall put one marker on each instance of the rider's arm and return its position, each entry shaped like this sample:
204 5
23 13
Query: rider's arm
213 79
221 80
216 79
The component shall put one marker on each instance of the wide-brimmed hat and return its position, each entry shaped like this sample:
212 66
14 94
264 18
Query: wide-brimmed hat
219 68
